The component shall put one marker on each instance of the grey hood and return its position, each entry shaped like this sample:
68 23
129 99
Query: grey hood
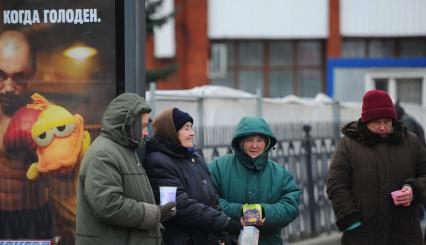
120 114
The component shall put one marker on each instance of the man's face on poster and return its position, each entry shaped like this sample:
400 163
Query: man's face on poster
15 73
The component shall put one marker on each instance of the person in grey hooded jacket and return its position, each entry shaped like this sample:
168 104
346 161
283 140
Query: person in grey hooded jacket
115 203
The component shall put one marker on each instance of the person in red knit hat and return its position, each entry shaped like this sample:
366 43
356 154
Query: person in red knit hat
377 177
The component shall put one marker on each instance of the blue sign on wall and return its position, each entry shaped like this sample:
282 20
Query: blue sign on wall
332 64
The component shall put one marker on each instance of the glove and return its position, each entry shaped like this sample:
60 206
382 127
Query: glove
167 211
17 138
353 226
234 228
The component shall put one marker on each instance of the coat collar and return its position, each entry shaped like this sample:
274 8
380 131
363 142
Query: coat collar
257 164
155 144
358 131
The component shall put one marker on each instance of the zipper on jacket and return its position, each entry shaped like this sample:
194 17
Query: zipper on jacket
137 159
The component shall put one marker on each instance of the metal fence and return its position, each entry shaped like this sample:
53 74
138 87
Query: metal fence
306 151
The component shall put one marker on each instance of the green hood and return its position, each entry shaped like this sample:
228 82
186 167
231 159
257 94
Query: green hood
251 126
120 114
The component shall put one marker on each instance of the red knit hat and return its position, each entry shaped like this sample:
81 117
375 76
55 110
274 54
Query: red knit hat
377 104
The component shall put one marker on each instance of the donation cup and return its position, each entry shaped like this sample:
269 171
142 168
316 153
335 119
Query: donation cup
167 194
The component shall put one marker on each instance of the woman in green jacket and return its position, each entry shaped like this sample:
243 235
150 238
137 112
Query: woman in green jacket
247 176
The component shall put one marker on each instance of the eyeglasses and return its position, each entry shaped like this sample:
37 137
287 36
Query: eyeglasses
20 78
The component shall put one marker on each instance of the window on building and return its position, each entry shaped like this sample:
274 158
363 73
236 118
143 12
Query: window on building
383 47
280 74
409 90
353 49
278 67
250 66
309 68
413 48
381 83
402 86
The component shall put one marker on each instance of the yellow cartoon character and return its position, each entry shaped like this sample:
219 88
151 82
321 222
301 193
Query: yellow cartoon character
60 137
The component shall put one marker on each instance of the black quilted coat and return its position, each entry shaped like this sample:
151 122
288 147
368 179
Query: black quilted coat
364 170
168 163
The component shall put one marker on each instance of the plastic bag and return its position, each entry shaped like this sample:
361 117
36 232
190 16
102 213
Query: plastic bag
249 236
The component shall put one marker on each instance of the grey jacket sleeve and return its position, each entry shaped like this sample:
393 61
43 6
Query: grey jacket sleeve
103 192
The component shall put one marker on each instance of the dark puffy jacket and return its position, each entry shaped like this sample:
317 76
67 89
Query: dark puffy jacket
411 123
415 127
197 221
364 170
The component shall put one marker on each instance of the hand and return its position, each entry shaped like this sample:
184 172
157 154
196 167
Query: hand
261 222
234 228
167 211
406 197
242 222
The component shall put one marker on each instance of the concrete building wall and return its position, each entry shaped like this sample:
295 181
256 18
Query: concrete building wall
271 19
383 18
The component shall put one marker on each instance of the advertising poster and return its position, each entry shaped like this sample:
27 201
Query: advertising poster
57 75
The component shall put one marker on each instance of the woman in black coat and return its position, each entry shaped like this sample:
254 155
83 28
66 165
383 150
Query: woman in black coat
172 160
376 157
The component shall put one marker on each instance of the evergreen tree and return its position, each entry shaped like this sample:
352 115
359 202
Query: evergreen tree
152 20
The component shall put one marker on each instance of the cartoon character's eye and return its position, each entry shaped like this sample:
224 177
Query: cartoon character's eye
44 139
64 130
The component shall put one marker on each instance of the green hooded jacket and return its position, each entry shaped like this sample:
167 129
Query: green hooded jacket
240 179
115 203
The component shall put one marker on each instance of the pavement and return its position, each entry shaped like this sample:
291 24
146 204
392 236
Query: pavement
333 238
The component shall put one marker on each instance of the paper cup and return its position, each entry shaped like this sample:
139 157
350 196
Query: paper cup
167 194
